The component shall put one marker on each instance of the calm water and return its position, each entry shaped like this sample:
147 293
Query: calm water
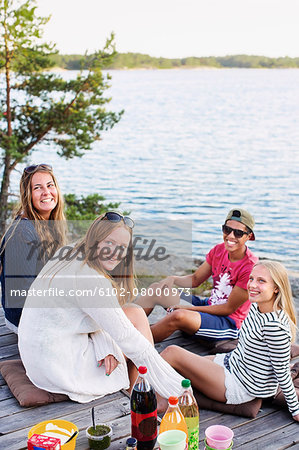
194 143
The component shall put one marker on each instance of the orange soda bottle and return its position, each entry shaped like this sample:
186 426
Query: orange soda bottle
173 419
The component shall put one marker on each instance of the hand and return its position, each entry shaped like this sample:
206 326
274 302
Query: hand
188 307
296 417
167 282
110 363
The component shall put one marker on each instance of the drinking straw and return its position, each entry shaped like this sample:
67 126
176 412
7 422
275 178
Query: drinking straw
72 436
92 416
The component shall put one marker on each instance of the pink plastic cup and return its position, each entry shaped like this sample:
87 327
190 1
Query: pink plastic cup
219 436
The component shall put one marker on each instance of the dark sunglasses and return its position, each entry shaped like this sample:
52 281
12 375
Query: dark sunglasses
35 167
237 233
116 217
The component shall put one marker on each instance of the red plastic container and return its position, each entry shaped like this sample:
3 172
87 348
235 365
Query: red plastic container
38 441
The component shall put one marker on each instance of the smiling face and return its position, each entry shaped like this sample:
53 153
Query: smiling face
114 248
235 246
262 289
44 193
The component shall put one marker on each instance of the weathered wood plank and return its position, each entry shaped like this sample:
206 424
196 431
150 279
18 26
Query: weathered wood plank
9 351
2 381
257 434
8 339
105 412
10 406
31 416
4 330
5 392
283 438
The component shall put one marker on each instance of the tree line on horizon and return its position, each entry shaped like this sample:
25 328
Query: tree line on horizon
142 61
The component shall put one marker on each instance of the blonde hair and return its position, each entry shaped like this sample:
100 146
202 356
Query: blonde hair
122 277
284 298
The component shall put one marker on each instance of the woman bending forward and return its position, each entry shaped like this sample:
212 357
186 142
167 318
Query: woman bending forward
81 341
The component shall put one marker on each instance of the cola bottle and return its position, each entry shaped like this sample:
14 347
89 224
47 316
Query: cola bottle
144 412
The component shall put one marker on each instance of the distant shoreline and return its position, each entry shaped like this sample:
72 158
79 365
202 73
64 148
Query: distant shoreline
132 61
61 69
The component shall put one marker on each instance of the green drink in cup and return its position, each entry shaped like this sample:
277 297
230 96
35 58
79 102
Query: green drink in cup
172 440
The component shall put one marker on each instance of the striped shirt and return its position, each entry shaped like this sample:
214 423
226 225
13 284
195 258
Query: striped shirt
262 359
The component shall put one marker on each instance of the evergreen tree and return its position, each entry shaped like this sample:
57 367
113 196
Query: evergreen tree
37 106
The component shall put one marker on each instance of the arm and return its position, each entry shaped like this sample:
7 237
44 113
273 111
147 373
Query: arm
278 343
109 316
203 272
236 298
20 260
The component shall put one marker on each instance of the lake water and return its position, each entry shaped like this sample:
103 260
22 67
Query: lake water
192 144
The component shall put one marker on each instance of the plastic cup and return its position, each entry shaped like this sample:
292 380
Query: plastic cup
40 428
172 440
207 447
99 442
219 437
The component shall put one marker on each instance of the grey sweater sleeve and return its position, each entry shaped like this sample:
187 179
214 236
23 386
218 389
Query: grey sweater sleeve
21 261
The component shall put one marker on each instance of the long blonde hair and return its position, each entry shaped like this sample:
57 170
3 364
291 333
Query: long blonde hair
52 232
284 298
122 277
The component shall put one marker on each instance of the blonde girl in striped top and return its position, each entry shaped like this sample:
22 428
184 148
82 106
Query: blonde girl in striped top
261 360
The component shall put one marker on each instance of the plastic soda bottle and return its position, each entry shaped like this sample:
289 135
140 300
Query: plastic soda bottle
173 419
190 412
144 412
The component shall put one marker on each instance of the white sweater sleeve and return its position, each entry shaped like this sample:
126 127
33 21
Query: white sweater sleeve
165 380
104 345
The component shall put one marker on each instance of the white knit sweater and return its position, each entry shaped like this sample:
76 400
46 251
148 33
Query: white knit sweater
63 332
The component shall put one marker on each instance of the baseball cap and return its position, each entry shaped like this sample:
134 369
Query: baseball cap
243 216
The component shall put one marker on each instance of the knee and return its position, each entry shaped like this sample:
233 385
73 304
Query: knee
178 317
170 353
135 314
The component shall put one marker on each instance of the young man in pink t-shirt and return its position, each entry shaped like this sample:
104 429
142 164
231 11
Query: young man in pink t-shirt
220 316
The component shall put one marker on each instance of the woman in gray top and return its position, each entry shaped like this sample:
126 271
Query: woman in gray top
37 230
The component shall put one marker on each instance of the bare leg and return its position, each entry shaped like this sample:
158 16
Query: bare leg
148 302
205 375
138 318
180 319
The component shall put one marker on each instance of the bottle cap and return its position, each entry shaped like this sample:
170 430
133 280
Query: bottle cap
131 442
186 383
142 370
173 400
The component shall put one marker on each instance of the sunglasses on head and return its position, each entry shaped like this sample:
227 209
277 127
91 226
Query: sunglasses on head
237 233
116 217
35 167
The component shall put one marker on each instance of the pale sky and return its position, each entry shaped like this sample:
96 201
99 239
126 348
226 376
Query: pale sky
175 28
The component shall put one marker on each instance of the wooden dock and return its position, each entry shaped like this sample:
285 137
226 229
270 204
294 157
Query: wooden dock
272 429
